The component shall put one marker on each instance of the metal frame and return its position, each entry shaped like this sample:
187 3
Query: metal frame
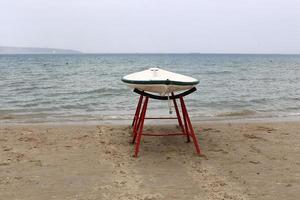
140 116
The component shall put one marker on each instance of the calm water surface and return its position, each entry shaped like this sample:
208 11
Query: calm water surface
88 88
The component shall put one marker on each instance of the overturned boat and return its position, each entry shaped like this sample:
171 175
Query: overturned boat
159 81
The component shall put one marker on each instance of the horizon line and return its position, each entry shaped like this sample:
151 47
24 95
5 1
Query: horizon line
188 53
145 53
82 52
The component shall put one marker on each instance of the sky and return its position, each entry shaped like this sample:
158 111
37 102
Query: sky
153 26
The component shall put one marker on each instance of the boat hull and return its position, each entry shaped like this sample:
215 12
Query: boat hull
160 88
159 81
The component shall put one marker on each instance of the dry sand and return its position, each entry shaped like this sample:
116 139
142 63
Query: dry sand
243 161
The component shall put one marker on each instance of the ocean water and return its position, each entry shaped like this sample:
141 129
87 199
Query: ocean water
88 87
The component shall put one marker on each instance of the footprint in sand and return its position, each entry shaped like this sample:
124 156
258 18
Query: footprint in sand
4 164
264 128
152 196
254 162
123 172
251 136
254 149
16 156
106 187
120 183
209 130
101 131
26 131
27 139
5 148
81 137
37 162
218 150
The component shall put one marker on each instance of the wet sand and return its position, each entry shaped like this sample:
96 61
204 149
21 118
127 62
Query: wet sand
242 161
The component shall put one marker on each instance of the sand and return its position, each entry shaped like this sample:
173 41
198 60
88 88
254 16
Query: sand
242 161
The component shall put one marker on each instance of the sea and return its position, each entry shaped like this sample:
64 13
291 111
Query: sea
87 88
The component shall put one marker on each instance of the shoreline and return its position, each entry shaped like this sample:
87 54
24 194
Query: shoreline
160 122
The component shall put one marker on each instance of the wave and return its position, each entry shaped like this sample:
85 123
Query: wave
237 113
217 72
23 116
104 91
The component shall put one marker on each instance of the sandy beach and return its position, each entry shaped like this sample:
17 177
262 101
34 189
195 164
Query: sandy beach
242 161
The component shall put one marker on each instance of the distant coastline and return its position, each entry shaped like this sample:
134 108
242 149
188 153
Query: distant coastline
35 50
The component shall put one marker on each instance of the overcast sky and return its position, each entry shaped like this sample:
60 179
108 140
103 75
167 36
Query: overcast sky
108 26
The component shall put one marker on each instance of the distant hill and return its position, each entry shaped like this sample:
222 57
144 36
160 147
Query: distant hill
34 50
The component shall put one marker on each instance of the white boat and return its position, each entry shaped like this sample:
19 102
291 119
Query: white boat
159 81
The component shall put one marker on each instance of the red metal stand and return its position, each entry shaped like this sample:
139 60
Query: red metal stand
140 116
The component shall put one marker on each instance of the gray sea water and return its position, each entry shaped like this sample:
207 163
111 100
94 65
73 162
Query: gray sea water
88 87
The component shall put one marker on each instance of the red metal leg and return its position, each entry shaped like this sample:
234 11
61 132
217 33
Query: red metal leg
137 111
138 122
136 118
141 125
178 116
135 130
185 120
185 113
